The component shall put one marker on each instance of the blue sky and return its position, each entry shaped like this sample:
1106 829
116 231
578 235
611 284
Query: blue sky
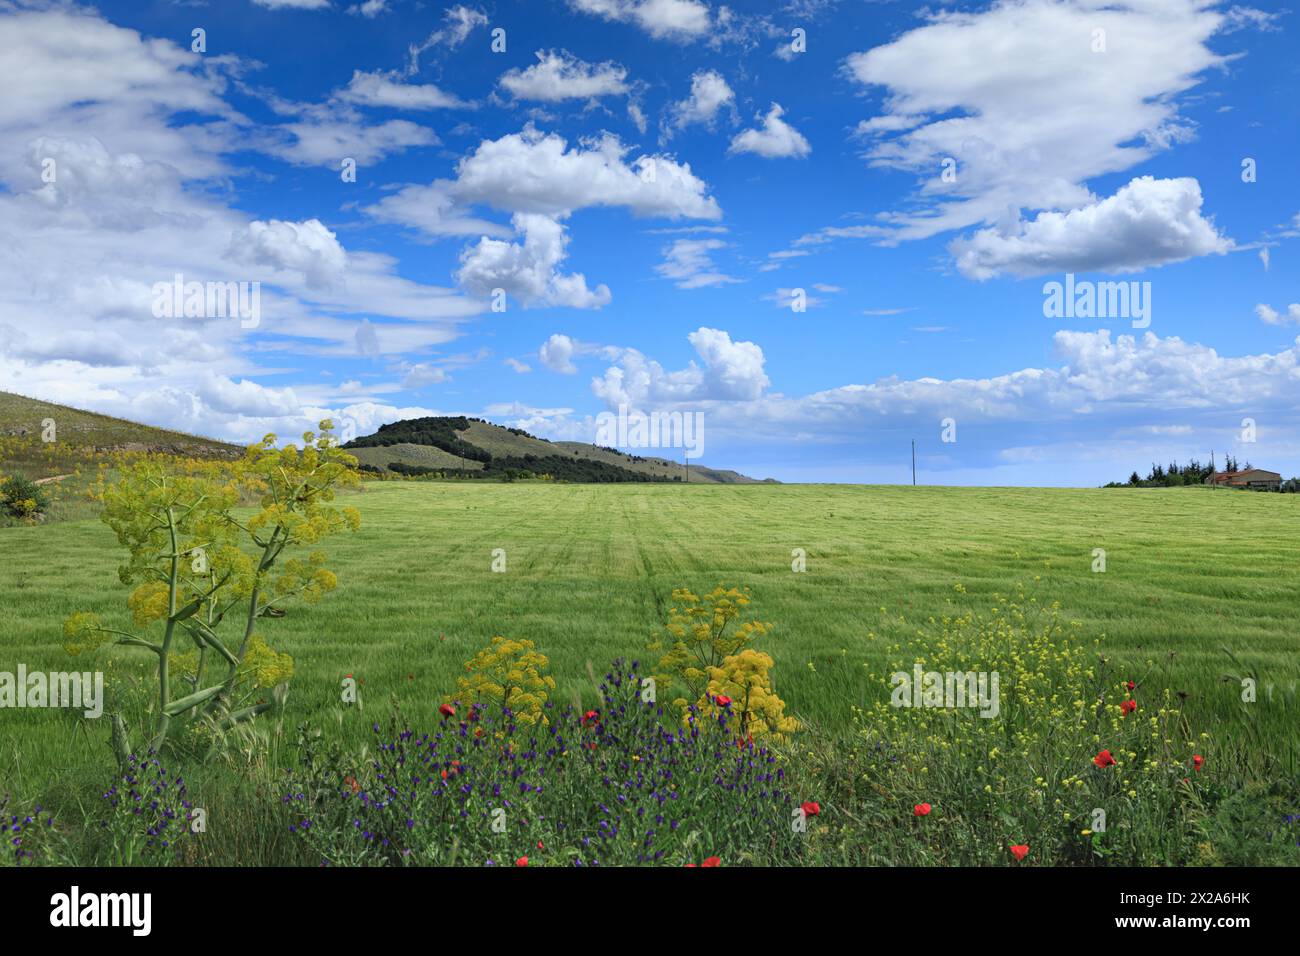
649 184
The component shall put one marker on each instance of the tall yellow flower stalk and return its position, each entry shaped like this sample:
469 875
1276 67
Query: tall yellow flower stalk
511 673
199 570
708 651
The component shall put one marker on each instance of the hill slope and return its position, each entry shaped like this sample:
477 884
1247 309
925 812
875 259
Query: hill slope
22 448
468 446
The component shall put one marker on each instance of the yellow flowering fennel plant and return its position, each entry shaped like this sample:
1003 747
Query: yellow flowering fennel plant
708 651
195 564
754 711
509 672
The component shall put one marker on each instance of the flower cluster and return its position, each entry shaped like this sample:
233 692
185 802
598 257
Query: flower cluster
741 690
617 784
21 831
149 811
701 635
1070 744
511 673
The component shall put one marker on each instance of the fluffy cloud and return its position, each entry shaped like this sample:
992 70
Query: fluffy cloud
538 173
305 247
1271 316
1029 123
541 180
1150 222
556 354
381 89
709 94
528 270
532 171
775 139
728 372
662 19
561 76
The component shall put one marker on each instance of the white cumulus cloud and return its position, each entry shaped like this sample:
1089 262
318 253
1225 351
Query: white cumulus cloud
558 76
775 139
1150 222
528 270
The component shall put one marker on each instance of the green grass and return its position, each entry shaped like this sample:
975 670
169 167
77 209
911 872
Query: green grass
1190 574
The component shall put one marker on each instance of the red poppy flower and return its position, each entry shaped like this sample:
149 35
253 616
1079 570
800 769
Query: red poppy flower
1127 706
1020 851
590 717
539 845
1104 759
447 710
1197 761
921 810
522 861
1130 685
712 861
723 700
810 809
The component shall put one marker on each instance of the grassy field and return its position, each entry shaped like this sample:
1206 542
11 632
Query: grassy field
1190 575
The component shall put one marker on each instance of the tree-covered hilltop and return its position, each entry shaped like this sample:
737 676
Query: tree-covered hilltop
445 433
460 446
439 432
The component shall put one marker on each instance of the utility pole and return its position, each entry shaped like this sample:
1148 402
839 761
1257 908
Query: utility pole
913 462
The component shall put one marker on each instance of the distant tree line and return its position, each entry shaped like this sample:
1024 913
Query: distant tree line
1194 472
1175 475
555 467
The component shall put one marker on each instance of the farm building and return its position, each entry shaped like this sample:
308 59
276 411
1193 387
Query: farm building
1256 479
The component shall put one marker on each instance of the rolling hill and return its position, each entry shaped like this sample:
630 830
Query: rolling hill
465 446
22 425
457 446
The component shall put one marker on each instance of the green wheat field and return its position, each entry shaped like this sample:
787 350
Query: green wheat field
1200 589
